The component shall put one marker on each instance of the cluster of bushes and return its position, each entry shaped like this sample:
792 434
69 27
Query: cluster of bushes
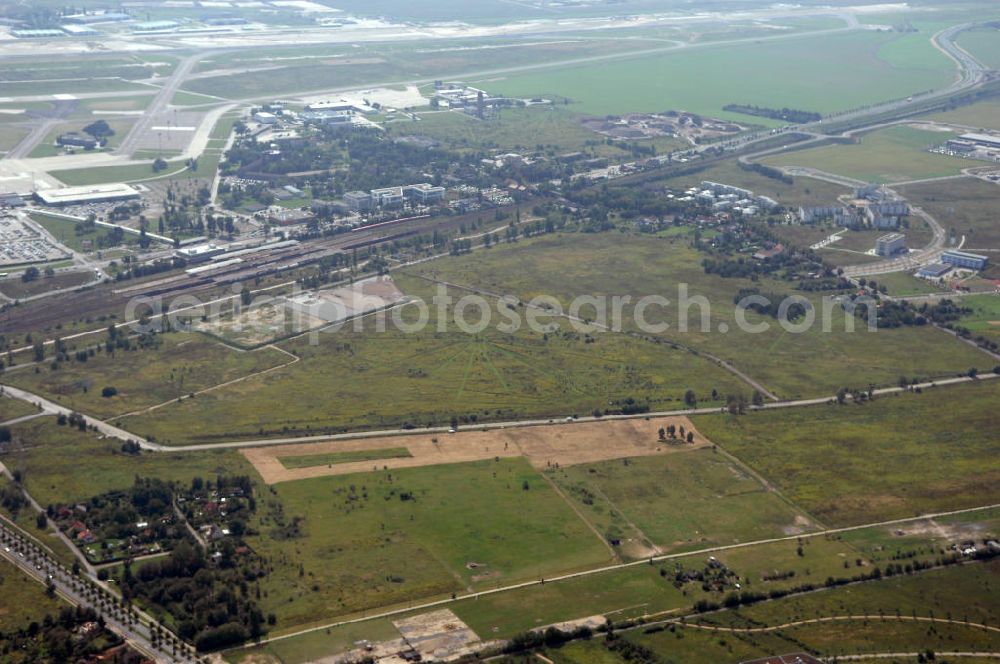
212 603
793 115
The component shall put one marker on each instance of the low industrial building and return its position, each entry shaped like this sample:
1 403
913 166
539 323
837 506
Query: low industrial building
199 253
75 140
890 245
984 140
37 34
96 193
934 271
265 118
964 259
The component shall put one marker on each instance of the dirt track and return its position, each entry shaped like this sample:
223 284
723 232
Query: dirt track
563 444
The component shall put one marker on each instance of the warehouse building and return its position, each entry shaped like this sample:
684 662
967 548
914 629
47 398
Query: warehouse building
97 193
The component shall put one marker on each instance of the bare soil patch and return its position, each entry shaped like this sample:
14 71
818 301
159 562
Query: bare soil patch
543 445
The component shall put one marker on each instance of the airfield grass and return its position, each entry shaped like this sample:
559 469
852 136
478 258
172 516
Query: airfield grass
933 450
183 364
793 365
387 379
896 154
964 206
64 230
805 192
95 107
10 136
312 460
24 600
14 408
75 177
682 501
50 458
378 539
48 147
981 115
816 76
82 86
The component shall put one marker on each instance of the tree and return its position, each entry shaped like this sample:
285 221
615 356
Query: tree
99 130
30 274
159 164
39 349
758 398
245 296
663 433
109 391
690 437
41 521
690 399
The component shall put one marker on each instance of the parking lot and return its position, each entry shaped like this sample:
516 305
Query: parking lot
20 244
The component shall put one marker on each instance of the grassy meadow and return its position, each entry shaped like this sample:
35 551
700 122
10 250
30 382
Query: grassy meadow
897 456
683 501
183 364
896 154
790 364
966 207
704 80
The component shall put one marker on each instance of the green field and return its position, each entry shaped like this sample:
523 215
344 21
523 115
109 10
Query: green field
50 456
377 539
889 155
24 599
792 365
48 147
704 80
64 230
985 316
678 501
313 460
934 450
984 44
551 129
982 115
183 364
387 379
902 284
14 408
965 206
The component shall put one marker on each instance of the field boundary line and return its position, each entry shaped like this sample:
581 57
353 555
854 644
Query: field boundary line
846 618
609 568
586 521
211 388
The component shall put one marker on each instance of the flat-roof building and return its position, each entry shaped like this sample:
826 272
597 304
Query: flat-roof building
75 140
199 253
359 200
934 270
964 259
891 244
388 196
96 193
985 140
425 193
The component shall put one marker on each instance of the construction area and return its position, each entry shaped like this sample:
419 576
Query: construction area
544 446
